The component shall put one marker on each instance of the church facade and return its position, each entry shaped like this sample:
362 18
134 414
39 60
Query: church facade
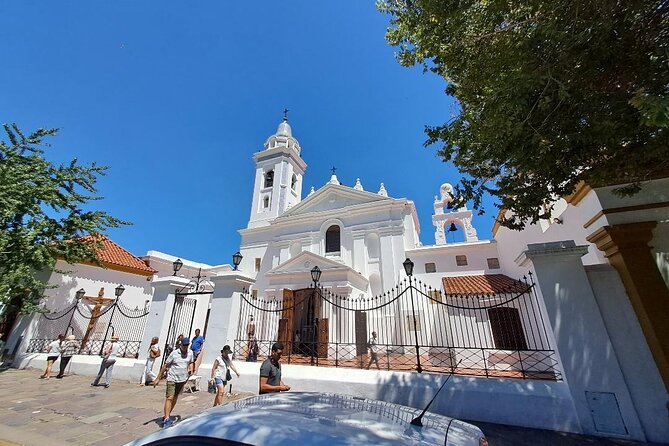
573 346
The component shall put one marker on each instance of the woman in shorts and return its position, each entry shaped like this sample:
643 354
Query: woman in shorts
52 353
220 373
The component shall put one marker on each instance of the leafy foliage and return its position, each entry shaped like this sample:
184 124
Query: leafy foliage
41 216
551 93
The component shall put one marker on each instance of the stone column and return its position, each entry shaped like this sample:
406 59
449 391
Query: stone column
589 363
224 315
160 312
626 247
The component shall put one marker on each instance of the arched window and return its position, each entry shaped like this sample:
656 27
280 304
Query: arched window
269 178
293 182
332 239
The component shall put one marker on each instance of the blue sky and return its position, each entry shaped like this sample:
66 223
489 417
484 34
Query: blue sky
175 97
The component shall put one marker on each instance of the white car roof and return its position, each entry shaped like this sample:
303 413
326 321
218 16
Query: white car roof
318 418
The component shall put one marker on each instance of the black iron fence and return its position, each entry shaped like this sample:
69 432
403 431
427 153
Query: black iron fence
93 325
411 327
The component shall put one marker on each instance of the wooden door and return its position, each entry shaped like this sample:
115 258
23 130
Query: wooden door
360 333
285 334
323 332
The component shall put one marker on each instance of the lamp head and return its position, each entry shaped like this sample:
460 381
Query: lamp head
316 274
408 267
237 259
119 290
176 266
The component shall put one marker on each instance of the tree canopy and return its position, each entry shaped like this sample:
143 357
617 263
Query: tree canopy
42 216
551 93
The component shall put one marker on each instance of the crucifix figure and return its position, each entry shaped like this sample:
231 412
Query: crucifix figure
334 170
285 114
95 313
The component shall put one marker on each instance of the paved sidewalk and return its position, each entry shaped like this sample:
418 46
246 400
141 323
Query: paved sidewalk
57 412
36 412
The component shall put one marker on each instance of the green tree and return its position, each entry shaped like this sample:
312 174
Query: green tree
550 93
42 216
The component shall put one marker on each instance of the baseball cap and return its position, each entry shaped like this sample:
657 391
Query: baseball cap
185 341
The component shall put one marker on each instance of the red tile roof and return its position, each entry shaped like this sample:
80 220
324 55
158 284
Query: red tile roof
115 257
482 284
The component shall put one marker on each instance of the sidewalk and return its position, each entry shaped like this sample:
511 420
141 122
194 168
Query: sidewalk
69 411
56 412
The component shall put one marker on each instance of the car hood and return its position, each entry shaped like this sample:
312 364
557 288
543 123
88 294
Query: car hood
319 418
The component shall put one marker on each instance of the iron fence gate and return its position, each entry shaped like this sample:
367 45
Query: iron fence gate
181 321
417 327
93 325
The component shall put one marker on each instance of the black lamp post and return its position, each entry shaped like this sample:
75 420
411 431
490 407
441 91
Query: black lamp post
237 259
176 266
78 296
408 269
117 292
315 277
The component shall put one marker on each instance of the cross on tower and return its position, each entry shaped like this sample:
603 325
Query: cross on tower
334 170
285 114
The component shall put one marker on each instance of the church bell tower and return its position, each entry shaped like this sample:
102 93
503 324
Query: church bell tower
278 181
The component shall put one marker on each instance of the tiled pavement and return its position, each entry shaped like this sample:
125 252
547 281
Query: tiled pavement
56 412
70 412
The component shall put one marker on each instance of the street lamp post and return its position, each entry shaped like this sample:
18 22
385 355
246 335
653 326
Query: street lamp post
408 269
117 292
315 277
78 295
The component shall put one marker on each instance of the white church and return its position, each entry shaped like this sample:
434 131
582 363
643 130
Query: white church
560 326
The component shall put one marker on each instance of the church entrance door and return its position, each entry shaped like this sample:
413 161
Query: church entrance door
302 329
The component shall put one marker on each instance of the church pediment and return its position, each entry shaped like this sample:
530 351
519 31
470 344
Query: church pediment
332 197
297 271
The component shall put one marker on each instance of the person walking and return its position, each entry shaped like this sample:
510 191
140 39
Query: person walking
154 352
179 366
196 345
373 351
52 353
67 350
108 360
270 372
220 373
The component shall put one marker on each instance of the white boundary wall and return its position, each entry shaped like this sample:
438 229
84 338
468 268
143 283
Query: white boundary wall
492 400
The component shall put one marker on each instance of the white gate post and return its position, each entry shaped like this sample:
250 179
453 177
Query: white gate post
160 311
224 315
590 366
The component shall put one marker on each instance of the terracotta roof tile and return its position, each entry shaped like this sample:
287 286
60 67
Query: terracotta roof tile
114 256
482 284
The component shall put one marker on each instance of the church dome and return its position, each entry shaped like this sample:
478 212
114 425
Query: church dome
283 138
284 129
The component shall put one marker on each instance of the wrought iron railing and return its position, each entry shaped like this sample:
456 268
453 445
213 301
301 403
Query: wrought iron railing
93 325
500 334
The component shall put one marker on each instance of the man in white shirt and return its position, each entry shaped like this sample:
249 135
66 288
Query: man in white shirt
180 365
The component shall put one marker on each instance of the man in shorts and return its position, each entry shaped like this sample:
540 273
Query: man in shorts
179 365
270 372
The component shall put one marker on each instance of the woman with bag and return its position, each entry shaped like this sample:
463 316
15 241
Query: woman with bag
220 374
154 352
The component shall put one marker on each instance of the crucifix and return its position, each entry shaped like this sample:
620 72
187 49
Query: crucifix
285 114
95 313
334 170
